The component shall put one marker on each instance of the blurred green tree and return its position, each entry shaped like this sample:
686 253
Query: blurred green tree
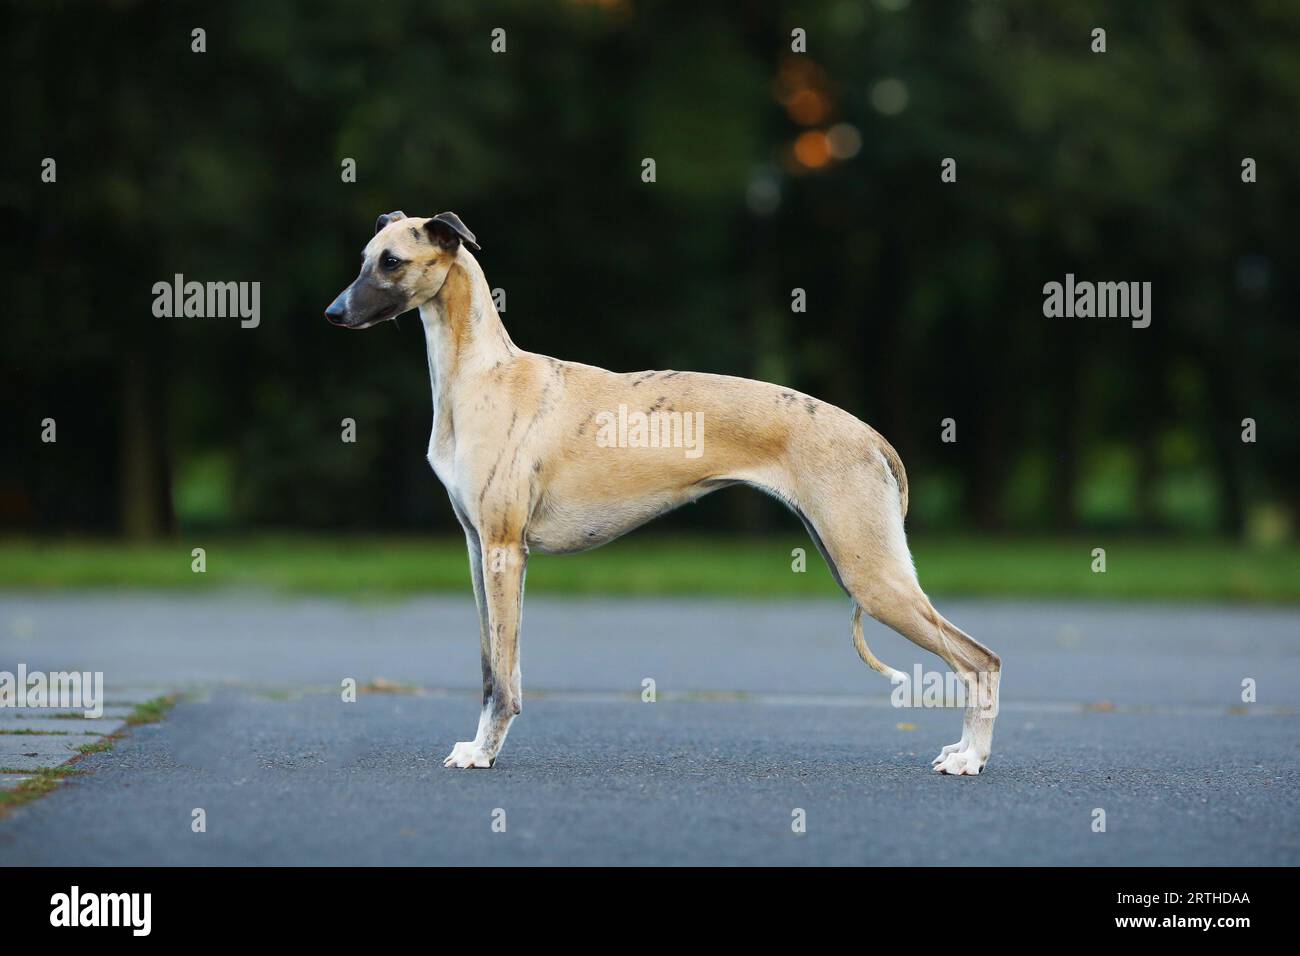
776 170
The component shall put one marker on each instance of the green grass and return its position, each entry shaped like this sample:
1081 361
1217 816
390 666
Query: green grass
650 565
151 711
39 783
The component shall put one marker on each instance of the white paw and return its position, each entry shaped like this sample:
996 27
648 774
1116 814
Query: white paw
965 760
467 754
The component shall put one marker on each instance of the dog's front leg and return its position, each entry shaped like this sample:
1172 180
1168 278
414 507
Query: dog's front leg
475 548
500 576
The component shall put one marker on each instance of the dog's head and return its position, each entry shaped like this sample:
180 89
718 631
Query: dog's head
402 268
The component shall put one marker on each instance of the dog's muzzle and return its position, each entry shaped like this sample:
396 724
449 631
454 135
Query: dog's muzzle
360 306
338 309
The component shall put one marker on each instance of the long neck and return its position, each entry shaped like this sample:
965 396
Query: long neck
462 330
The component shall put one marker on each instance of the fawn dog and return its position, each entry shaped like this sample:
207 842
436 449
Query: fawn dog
532 459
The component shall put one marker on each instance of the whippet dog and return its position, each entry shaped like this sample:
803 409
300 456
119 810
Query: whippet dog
537 455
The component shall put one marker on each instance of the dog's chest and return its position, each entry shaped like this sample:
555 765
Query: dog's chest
441 457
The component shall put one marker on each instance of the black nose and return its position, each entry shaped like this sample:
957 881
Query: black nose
335 312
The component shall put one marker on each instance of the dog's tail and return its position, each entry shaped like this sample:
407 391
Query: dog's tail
864 652
895 466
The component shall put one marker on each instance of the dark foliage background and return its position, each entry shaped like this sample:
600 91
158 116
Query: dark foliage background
924 298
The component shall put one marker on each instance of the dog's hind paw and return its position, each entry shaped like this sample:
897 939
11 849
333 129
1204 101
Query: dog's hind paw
965 760
467 754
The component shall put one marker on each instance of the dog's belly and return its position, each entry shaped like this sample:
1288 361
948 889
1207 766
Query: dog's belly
578 526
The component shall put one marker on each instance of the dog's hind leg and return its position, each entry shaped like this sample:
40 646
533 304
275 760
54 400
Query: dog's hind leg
862 537
902 605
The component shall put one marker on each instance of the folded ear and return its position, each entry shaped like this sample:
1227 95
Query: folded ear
388 217
448 231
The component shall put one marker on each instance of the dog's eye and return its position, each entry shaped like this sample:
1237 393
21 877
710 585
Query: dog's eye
389 262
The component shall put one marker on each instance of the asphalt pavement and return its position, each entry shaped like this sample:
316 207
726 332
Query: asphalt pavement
768 741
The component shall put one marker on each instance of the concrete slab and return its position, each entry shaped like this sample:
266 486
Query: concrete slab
61 725
62 713
33 751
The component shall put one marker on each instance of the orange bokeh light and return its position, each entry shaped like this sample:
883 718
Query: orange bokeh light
812 149
807 107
